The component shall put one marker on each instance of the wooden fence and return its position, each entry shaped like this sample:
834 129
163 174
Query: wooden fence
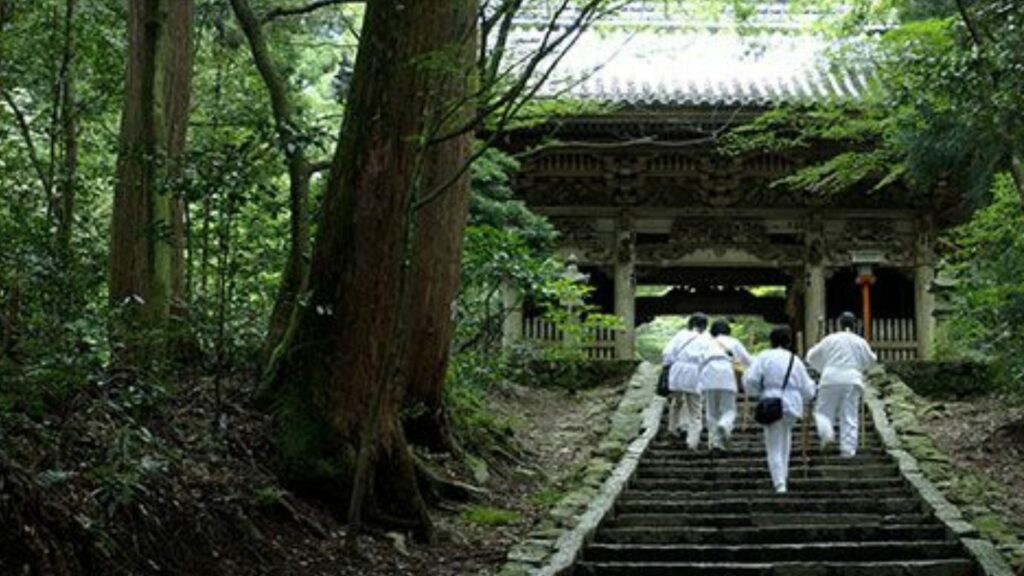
598 343
891 338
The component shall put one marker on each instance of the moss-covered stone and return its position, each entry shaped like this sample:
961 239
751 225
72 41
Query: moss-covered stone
945 379
978 498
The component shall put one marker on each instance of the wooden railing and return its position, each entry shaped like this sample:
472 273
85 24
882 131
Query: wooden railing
891 338
598 342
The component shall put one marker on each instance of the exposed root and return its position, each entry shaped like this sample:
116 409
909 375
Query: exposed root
437 488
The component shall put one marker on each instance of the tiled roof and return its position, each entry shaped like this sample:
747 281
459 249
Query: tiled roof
666 61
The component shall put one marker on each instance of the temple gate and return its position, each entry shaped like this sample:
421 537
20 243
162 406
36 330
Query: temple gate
642 196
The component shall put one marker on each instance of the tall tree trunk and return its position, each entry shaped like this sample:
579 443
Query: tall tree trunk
153 124
69 128
339 374
177 94
290 141
436 274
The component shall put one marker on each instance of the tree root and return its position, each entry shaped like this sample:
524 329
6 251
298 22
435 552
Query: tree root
438 488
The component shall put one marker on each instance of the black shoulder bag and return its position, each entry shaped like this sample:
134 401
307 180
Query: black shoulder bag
662 388
769 410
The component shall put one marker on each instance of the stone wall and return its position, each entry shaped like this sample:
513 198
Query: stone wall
964 501
949 379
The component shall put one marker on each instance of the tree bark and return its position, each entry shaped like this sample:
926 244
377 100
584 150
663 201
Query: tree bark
69 129
339 372
154 116
435 284
290 141
177 94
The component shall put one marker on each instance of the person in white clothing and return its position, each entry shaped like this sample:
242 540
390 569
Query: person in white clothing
721 356
684 413
842 359
778 373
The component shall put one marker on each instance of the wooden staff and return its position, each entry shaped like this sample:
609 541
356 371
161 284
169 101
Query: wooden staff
743 409
863 416
806 433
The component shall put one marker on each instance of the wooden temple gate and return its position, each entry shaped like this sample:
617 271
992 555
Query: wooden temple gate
643 194
715 225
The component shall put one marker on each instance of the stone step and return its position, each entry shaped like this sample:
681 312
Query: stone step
743 435
766 519
947 567
874 471
795 483
772 535
690 495
740 447
729 460
839 504
808 551
680 452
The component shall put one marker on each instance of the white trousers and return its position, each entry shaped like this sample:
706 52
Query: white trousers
778 443
684 414
720 408
842 402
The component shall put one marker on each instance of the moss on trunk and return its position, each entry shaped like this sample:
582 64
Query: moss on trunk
340 374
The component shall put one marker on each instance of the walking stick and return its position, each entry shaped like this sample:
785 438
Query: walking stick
861 425
806 432
743 410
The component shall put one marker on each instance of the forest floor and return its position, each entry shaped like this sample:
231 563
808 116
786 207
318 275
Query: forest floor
122 483
984 436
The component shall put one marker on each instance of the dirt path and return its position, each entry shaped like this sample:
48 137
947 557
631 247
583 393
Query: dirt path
556 432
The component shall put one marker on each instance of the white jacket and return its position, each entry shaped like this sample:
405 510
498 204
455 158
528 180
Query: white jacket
764 379
717 357
682 354
842 358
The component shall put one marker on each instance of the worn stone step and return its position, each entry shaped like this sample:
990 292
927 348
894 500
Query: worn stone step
796 483
807 551
680 452
772 534
946 567
755 471
766 519
744 445
730 460
756 434
839 504
691 495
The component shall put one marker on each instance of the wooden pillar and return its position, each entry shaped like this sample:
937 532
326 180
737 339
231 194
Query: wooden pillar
814 305
924 278
512 305
924 309
625 288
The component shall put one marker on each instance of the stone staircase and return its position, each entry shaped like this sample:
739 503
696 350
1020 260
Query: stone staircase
694 513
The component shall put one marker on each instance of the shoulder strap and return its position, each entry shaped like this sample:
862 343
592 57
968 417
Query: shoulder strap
789 370
692 338
723 347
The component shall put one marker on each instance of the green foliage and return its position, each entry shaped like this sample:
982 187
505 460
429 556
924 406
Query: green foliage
489 516
943 104
988 303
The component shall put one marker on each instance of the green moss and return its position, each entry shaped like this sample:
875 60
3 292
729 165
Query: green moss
489 516
309 455
951 379
547 497
992 527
